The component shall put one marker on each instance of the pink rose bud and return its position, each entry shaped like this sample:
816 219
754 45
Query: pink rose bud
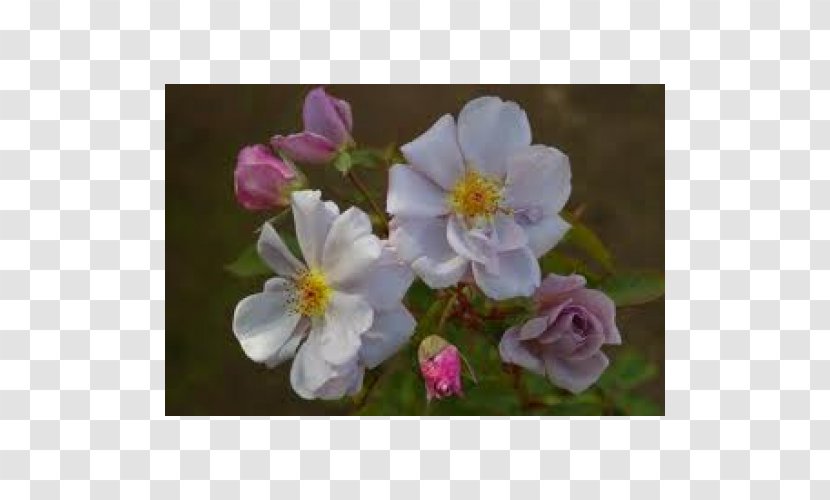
328 128
440 364
261 180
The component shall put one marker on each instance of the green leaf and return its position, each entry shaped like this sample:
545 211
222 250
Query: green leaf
587 403
419 297
628 370
376 158
368 158
633 371
632 288
631 404
563 265
248 264
582 237
478 400
343 162
399 391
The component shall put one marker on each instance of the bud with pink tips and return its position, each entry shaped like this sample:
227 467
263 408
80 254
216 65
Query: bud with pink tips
263 181
328 127
440 364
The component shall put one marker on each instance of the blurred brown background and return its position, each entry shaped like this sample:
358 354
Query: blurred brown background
612 133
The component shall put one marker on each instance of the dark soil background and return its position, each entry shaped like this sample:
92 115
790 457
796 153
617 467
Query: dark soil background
614 135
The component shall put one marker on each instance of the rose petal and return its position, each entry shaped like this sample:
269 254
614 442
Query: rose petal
288 349
312 220
387 282
411 194
278 285
603 308
554 285
489 131
260 179
575 376
259 154
545 233
534 328
351 249
591 342
436 154
509 235
552 313
306 147
471 244
571 342
423 243
538 176
347 381
344 110
518 275
347 317
263 323
391 330
309 371
276 254
313 377
515 352
441 274
323 115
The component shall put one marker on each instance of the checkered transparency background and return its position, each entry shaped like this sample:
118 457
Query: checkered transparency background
82 248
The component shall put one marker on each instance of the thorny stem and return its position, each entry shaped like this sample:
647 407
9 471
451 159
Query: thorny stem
445 314
475 318
275 220
467 314
502 313
578 211
373 377
365 192
525 399
516 377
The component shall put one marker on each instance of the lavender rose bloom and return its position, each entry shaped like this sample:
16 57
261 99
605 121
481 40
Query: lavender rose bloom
563 342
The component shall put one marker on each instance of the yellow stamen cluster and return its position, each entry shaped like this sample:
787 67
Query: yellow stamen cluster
475 195
312 293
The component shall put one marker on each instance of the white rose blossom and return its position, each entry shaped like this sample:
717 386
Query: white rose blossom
338 313
477 200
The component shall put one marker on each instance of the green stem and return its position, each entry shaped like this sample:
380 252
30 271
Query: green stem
427 325
525 399
365 192
277 219
445 314
373 377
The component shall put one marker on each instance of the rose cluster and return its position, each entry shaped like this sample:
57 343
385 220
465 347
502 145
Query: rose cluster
474 202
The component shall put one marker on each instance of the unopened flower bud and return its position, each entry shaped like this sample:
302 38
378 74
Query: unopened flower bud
261 180
328 127
440 364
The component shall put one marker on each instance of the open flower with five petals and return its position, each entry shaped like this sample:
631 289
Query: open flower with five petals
476 199
337 313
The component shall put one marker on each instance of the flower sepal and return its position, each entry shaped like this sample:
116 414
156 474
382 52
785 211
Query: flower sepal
343 162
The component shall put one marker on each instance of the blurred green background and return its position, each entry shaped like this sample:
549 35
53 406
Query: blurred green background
614 135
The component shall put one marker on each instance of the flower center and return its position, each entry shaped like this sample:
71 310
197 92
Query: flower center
475 195
312 293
